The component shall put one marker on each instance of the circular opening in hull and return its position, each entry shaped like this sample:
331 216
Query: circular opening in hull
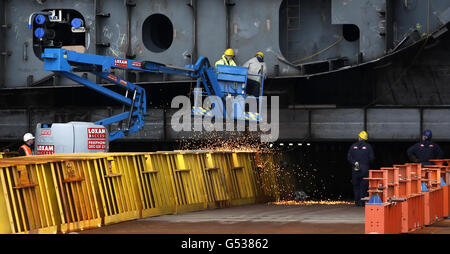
157 33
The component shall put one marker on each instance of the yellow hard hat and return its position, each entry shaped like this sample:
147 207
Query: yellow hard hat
260 53
363 135
229 52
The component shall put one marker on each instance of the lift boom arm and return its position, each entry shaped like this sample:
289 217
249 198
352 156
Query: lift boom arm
66 63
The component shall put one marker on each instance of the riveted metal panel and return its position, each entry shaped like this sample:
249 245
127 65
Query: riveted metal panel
13 123
438 121
393 124
337 123
19 38
294 124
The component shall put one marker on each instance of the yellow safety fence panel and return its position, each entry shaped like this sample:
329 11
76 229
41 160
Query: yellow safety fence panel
116 189
188 183
69 192
26 199
155 185
216 187
241 179
78 201
267 177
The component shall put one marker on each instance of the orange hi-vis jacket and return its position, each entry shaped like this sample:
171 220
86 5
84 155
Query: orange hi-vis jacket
27 150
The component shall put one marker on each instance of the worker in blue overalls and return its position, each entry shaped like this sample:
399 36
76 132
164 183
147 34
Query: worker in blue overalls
425 150
360 155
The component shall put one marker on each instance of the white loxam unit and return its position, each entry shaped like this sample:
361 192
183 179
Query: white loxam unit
72 137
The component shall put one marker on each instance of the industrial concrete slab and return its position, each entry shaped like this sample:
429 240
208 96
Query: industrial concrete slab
250 219
440 227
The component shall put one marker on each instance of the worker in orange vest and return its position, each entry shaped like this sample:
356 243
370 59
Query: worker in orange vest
26 149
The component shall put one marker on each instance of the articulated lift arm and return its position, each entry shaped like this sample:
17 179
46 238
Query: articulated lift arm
66 63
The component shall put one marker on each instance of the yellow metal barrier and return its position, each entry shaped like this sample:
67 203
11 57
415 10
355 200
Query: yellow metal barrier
73 185
111 179
240 176
116 189
114 181
26 199
188 188
217 190
77 200
68 192
268 176
156 186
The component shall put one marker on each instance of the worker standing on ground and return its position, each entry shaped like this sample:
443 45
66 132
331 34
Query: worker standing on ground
227 58
26 149
256 66
360 155
425 150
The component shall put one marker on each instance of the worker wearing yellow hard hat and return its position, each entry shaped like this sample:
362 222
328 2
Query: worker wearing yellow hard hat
257 69
227 58
360 155
363 135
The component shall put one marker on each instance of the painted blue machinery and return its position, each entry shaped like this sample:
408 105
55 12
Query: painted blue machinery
227 81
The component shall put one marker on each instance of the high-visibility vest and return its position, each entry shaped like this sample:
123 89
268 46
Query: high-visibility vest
27 150
224 61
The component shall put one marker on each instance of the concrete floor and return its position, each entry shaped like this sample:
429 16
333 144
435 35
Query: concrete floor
441 227
249 219
259 219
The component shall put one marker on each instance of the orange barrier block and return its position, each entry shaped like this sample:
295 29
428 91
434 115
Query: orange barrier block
404 181
378 184
436 204
393 182
412 214
445 201
383 218
426 208
416 177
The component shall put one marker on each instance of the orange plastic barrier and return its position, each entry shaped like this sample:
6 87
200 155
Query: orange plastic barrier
383 218
404 198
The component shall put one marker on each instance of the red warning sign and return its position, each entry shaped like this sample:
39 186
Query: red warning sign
96 133
96 144
46 131
120 62
45 149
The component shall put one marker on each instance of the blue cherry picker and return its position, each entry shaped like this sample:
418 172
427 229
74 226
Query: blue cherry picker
73 137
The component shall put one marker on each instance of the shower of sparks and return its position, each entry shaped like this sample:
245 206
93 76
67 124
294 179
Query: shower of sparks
226 141
277 175
322 202
272 180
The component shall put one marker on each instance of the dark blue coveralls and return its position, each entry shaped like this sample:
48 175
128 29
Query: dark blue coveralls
362 153
425 151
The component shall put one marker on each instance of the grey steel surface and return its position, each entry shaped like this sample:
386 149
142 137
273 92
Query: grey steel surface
393 124
383 124
336 123
249 219
205 27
